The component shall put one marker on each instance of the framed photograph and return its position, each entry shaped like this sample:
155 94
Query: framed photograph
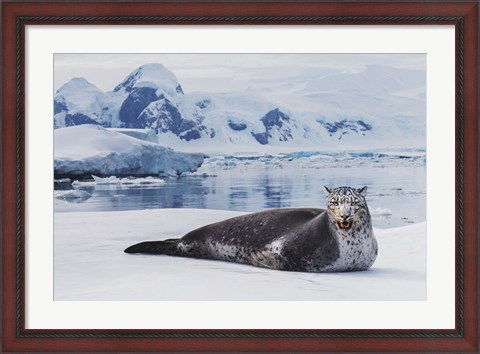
240 176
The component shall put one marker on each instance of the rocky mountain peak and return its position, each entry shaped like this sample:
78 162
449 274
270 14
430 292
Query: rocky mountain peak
152 75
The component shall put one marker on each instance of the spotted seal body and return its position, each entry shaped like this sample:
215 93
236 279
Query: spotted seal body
298 239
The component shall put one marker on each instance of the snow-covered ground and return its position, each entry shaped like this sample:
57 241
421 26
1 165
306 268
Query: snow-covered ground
89 264
91 149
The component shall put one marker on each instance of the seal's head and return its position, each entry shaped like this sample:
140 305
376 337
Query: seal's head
345 205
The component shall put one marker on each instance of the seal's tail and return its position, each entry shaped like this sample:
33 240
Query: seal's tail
153 247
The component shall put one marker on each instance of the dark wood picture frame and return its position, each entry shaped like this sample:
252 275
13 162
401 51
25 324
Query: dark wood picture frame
17 14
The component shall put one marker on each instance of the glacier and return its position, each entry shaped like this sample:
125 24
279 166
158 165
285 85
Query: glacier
83 150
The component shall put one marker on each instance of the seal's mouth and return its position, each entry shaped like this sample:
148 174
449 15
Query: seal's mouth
344 224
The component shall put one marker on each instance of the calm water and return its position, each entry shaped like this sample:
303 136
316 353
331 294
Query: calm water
401 190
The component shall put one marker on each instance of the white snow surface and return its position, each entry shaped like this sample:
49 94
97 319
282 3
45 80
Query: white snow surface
89 264
92 149
142 134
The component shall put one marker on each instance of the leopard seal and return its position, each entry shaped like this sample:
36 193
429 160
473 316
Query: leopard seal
337 239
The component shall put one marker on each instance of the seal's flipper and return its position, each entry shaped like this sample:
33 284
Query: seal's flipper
152 247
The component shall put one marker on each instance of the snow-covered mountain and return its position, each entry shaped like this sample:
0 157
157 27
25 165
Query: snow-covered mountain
149 91
156 77
80 102
377 107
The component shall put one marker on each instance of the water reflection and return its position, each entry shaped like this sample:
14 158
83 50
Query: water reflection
400 189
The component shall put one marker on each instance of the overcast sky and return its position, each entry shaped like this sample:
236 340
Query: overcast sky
222 72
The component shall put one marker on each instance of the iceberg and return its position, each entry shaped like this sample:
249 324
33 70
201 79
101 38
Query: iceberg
84 150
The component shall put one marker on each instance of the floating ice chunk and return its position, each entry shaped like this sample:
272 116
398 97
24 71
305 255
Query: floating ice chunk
380 212
106 180
197 174
114 180
62 180
77 183
72 195
142 181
